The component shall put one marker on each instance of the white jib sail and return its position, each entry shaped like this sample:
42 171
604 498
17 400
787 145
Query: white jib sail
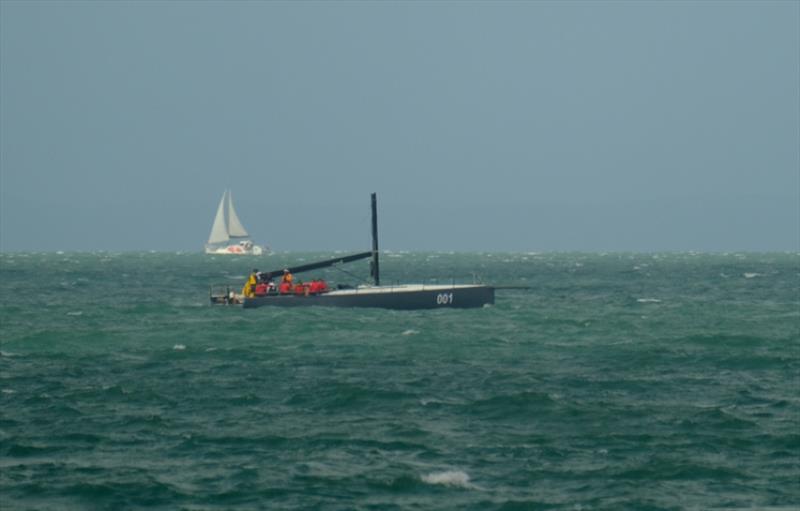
219 234
235 227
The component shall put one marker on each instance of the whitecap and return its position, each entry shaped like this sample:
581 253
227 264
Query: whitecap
752 275
75 313
455 478
8 391
7 354
211 349
648 300
179 347
411 331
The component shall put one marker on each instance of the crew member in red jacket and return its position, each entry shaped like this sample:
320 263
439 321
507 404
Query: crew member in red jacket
318 286
261 289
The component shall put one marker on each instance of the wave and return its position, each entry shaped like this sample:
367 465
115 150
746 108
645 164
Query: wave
452 478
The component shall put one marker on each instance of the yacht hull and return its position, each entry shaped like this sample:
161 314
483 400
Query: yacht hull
235 250
405 297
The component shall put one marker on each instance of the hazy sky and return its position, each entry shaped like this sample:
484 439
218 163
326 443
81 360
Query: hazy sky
519 126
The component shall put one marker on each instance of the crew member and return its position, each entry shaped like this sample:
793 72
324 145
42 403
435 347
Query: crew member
249 289
287 277
318 286
301 289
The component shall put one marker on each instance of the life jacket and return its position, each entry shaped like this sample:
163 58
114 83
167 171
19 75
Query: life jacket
300 289
285 288
261 289
313 288
323 286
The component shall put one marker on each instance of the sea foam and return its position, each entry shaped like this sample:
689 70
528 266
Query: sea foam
456 478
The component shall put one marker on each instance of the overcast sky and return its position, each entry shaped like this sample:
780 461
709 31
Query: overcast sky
487 126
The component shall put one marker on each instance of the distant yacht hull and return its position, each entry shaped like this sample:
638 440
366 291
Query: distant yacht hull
238 249
401 297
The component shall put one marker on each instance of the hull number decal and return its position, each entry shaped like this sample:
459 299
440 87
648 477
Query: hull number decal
444 298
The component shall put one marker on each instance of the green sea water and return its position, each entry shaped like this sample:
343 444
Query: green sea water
617 381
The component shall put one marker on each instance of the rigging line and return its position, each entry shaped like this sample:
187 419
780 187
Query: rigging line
348 273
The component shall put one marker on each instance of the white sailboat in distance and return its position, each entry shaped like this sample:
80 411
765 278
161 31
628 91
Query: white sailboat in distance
228 235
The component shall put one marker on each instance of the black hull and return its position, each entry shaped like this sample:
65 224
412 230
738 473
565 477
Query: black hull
399 298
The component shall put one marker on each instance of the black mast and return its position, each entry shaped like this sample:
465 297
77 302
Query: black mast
375 268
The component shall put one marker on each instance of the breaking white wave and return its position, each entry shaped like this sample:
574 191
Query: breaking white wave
75 313
752 275
411 331
454 478
648 300
179 347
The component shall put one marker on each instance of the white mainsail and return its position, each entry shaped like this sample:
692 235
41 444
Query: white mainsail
219 232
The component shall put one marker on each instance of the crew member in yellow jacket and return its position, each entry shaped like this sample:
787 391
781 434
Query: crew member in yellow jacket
249 289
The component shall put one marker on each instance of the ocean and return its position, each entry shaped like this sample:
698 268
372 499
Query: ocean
616 381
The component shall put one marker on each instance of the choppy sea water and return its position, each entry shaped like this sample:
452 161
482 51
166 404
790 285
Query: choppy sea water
617 381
